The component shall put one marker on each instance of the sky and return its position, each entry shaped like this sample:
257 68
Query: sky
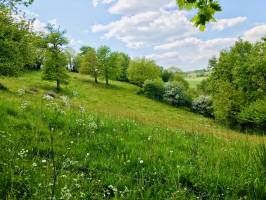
156 29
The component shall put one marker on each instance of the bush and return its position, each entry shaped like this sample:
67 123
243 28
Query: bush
203 105
178 77
176 94
154 89
254 116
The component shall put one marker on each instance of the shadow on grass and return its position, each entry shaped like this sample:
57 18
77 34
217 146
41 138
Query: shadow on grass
100 84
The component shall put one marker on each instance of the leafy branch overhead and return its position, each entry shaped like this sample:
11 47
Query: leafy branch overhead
14 3
206 11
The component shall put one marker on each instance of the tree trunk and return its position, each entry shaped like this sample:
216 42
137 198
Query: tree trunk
96 80
58 84
106 81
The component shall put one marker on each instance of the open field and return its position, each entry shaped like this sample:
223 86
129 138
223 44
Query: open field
97 142
194 82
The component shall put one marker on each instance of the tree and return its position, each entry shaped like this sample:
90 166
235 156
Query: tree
84 49
17 48
108 63
13 4
124 61
142 69
89 64
206 10
237 79
167 75
55 60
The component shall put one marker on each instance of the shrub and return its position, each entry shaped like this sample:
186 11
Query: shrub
178 77
154 89
167 75
254 116
176 94
203 105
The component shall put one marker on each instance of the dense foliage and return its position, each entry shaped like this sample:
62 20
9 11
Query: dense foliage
142 69
55 60
18 49
176 94
254 116
154 89
89 64
237 80
203 105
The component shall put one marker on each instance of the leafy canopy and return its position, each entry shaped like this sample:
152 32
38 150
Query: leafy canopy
143 69
55 60
89 64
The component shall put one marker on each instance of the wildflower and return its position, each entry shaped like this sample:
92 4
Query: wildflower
82 109
65 100
24 105
114 189
23 153
75 93
149 138
65 193
141 161
48 97
44 161
21 92
34 164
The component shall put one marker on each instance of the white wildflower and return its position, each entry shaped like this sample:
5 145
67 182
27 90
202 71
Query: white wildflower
65 100
48 97
34 164
21 92
141 161
44 161
23 153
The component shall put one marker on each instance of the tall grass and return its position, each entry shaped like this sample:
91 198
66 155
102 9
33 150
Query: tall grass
58 149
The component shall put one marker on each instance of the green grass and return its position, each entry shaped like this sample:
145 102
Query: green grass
110 143
194 82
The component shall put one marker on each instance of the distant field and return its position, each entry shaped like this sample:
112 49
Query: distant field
110 143
194 82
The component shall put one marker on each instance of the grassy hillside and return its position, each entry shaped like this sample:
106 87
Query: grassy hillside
98 142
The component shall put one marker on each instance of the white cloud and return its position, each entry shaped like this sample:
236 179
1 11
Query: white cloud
255 33
222 24
38 26
159 27
129 7
189 53
96 2
148 28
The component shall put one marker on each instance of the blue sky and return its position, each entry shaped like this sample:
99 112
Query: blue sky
152 28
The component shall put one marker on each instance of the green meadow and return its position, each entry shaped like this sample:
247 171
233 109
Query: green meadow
93 141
